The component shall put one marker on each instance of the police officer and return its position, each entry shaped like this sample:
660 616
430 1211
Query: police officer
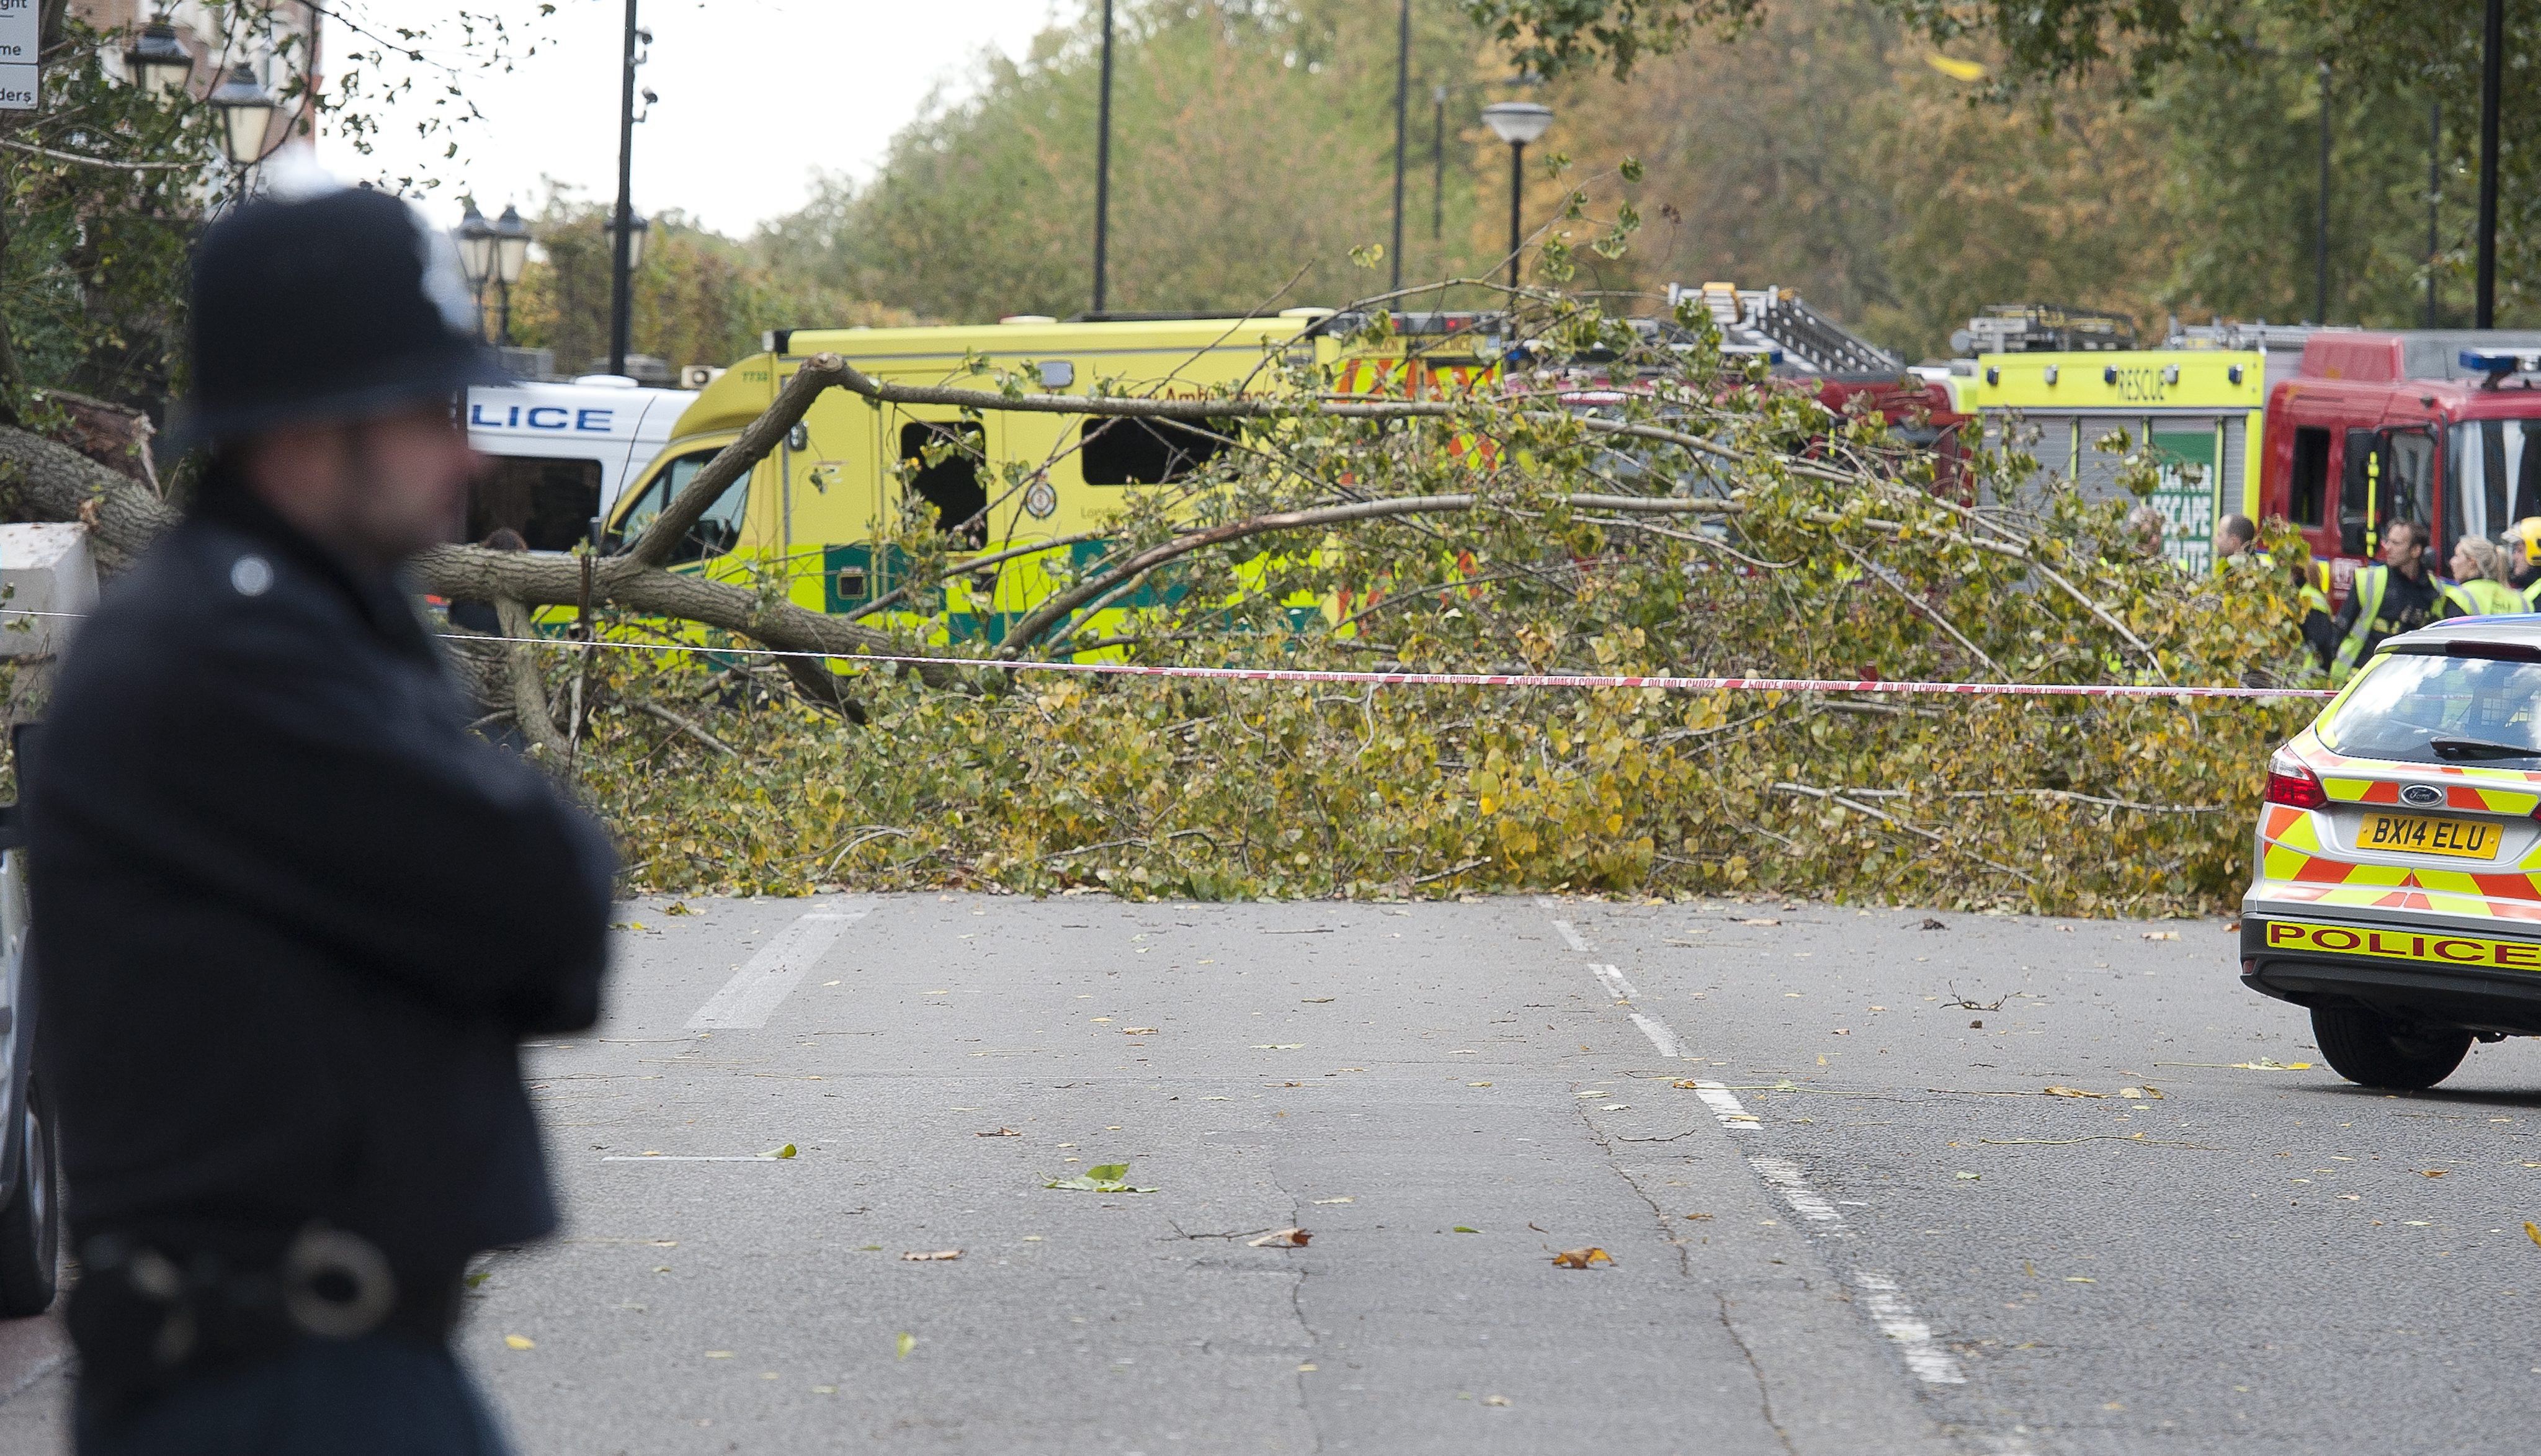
291 919
2393 596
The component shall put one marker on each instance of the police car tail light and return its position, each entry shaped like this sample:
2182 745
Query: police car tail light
2292 783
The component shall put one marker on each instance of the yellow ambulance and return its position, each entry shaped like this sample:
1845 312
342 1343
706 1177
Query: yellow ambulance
816 511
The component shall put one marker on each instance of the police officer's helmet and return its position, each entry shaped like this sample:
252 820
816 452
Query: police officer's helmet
332 304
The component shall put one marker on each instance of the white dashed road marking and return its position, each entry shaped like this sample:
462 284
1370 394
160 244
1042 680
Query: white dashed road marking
1898 1321
1613 979
1880 1297
756 990
1783 1175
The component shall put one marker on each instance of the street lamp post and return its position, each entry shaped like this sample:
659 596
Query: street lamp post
511 259
2492 81
622 264
1517 123
247 114
1438 162
475 239
159 62
1402 100
1103 168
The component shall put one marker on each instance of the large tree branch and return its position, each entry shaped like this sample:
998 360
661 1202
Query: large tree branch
1041 618
42 480
732 463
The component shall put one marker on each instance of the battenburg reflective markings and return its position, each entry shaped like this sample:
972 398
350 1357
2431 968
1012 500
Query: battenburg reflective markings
2404 945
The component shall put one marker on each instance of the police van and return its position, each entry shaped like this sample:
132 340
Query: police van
560 454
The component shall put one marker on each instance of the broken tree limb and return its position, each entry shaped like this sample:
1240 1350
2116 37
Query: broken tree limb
42 480
1041 618
734 461
656 712
529 692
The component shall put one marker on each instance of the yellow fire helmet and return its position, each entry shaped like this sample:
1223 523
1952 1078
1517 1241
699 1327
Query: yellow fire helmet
2527 534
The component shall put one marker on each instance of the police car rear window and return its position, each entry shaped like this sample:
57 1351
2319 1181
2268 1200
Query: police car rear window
2406 704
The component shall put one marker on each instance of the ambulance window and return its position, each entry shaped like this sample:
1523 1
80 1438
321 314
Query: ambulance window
951 482
2311 474
1145 452
551 502
717 531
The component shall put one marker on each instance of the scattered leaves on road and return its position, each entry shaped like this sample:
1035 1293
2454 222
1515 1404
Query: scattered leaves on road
1351 1200
2432 1172
1932 924
1760 920
1281 1238
1496 1400
1463 1229
1969 1177
1102 1178
2161 935
786 1151
2056 1091
1141 1031
1581 1258
999 1132
931 1255
1277 1045
2148 1094
903 1344
520 1342
2532 1231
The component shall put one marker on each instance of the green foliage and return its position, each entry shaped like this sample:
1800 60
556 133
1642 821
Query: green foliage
1844 563
1250 142
698 298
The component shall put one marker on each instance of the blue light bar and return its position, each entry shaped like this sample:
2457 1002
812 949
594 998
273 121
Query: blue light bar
2501 361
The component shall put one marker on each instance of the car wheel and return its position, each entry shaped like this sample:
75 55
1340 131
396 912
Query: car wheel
30 1226
2377 1050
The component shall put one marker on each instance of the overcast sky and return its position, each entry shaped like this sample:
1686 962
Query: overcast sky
756 96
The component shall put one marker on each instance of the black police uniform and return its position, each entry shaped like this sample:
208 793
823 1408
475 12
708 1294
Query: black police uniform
291 919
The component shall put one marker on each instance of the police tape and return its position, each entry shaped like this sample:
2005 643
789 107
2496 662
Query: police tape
1664 684
1451 680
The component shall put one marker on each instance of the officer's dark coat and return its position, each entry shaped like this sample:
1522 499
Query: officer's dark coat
291 919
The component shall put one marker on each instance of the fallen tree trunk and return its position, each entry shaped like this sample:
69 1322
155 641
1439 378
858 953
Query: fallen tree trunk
41 480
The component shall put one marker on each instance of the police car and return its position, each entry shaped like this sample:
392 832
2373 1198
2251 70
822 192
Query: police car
2398 893
30 1182
561 453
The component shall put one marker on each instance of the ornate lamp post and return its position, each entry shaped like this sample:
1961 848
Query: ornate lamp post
159 62
511 258
1517 123
475 239
247 114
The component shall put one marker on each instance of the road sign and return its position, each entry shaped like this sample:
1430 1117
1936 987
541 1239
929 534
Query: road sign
19 48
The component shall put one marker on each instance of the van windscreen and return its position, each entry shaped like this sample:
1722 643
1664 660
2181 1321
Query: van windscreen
551 502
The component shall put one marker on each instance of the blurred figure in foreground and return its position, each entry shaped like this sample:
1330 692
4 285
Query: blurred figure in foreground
291 919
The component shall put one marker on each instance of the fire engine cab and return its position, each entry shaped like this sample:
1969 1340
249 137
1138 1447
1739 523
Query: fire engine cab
2442 427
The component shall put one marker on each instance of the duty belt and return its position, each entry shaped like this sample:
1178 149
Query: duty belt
144 1317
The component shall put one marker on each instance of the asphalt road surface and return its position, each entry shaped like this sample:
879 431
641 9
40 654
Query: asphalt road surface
1845 1210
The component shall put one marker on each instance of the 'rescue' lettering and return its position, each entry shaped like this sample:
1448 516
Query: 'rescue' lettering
2392 945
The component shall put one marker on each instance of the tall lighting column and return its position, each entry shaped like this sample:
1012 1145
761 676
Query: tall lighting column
621 266
1517 123
1102 165
2492 80
1402 100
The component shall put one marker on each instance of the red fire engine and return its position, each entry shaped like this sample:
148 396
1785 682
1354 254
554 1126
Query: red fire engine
2442 427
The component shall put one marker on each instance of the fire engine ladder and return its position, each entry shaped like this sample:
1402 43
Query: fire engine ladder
1810 343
